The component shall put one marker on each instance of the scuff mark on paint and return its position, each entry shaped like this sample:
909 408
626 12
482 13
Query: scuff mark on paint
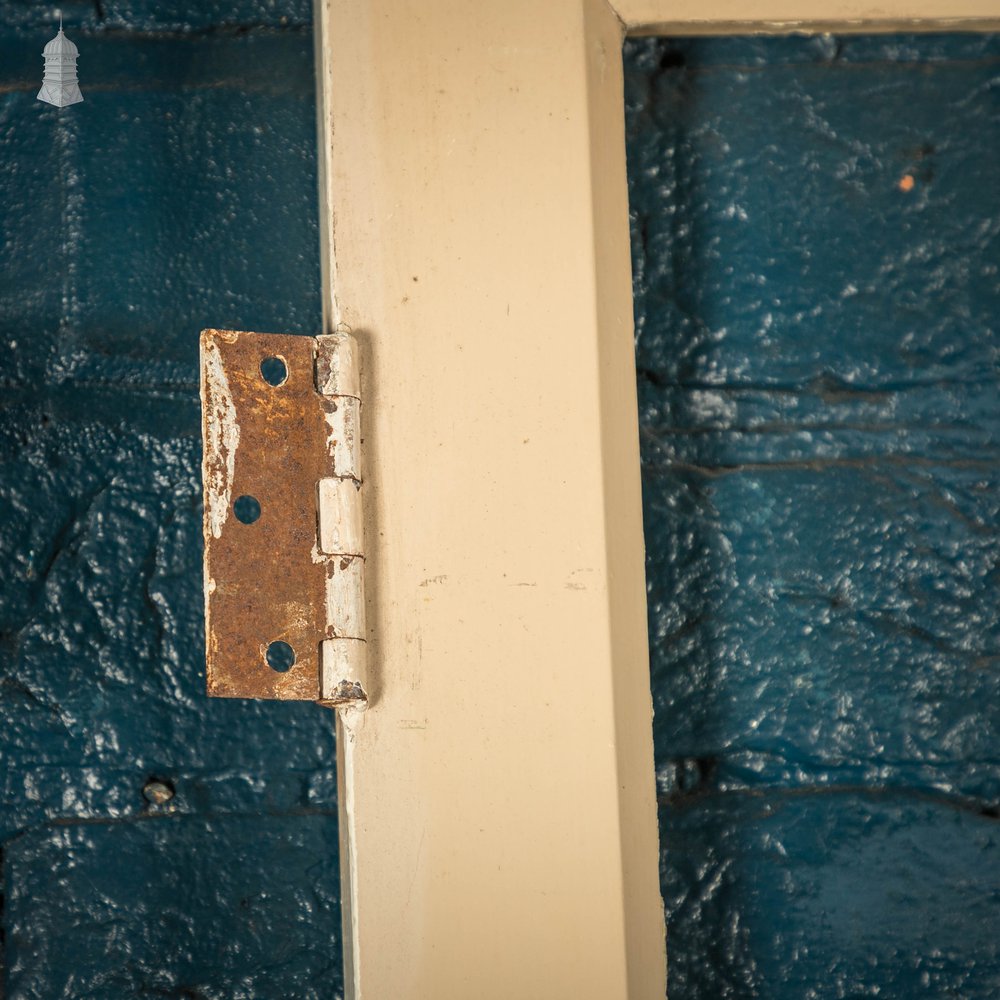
344 436
222 437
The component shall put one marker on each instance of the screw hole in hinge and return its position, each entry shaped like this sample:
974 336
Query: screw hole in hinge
274 371
247 509
280 656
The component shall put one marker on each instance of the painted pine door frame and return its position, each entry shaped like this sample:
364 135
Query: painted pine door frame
498 834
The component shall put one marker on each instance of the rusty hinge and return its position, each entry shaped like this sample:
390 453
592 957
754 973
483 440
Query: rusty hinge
284 546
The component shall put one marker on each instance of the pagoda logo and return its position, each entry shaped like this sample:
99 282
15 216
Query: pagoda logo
59 84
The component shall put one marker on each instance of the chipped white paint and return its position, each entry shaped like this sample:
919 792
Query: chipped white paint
343 681
345 596
338 372
344 440
222 437
341 531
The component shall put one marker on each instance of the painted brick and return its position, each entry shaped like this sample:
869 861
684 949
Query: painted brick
181 194
816 230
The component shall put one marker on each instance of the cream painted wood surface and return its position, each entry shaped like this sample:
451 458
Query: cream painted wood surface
498 811
499 792
719 17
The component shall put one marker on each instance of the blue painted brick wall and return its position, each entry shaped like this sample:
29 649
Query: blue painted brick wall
180 194
817 354
816 246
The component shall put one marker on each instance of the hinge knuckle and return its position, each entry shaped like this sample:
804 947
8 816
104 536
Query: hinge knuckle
341 530
343 681
338 371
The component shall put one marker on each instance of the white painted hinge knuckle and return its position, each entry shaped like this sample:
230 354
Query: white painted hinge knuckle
343 681
338 372
345 597
344 441
343 677
341 531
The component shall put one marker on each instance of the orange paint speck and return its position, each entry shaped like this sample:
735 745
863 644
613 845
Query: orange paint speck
906 182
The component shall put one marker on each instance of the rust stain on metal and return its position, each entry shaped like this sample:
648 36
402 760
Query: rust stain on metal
347 694
263 582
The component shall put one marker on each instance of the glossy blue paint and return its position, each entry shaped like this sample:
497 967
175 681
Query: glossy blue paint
816 246
818 359
181 194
